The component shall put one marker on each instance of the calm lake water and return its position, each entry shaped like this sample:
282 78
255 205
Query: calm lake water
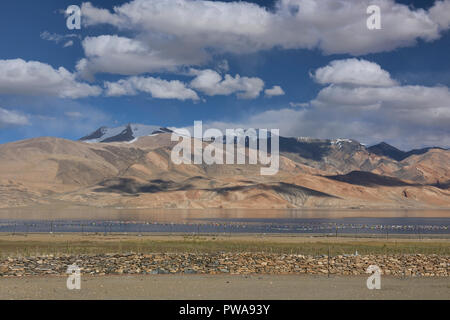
84 219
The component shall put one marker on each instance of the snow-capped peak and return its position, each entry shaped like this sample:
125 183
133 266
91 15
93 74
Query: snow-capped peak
124 133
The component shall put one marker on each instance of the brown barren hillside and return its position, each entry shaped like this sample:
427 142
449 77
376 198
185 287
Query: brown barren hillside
140 174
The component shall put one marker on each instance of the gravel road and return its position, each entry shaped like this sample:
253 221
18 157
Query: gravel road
224 287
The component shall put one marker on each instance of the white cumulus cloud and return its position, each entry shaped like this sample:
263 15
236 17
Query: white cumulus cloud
274 91
371 110
36 78
157 88
439 13
212 83
12 118
359 86
171 34
353 72
127 56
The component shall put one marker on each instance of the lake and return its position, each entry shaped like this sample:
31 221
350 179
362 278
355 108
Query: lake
113 220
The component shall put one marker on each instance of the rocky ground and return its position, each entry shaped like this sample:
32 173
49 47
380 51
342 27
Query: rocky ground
405 265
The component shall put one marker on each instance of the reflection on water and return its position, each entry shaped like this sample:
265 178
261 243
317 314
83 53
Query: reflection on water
185 215
82 219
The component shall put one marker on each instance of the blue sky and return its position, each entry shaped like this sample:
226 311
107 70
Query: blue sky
132 56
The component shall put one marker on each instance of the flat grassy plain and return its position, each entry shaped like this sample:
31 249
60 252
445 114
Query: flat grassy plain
71 244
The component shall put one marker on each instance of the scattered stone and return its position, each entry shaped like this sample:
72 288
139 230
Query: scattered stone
410 265
190 271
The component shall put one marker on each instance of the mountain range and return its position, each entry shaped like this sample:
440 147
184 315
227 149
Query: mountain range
130 166
125 133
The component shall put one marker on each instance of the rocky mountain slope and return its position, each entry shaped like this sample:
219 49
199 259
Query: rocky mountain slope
137 173
141 174
384 149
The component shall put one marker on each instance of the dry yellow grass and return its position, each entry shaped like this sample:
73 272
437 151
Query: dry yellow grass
38 244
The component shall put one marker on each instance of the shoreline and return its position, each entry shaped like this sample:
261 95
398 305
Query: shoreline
302 237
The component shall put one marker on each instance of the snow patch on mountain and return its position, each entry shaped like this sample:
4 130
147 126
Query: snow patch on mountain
127 133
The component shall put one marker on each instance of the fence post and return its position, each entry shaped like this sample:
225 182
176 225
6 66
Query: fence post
328 261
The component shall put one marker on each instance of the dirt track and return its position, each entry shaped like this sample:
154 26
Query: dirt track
224 287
